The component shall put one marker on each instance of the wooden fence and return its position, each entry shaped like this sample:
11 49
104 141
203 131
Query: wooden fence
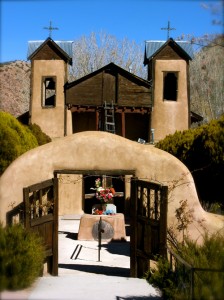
186 274
15 215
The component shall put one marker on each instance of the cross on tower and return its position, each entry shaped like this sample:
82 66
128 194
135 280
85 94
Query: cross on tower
168 28
50 28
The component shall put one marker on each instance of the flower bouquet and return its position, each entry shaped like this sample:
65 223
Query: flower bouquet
105 196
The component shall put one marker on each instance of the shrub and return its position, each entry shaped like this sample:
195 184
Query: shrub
203 144
163 278
207 285
202 150
15 139
41 137
208 255
21 257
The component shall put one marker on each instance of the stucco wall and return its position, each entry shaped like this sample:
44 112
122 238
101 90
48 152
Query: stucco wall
105 151
169 116
50 119
70 194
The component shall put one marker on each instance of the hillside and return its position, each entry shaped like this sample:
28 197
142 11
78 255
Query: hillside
15 87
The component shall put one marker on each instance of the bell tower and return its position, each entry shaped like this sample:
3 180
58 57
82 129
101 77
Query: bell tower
49 73
168 64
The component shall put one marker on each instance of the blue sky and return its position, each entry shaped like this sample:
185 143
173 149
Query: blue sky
138 20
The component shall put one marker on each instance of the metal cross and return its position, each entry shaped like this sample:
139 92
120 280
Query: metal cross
168 29
50 28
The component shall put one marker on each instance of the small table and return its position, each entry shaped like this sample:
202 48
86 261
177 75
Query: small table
116 221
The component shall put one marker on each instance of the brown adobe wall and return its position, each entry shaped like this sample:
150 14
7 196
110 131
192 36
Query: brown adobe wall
50 119
170 116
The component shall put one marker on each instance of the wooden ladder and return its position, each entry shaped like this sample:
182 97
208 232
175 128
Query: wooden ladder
109 124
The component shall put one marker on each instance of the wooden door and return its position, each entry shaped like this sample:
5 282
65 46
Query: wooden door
148 224
41 215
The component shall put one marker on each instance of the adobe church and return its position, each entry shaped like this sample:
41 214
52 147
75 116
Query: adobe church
111 98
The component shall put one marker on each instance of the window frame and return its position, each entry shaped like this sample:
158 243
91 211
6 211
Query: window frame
44 98
170 91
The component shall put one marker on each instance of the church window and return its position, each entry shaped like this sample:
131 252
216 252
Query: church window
170 86
49 92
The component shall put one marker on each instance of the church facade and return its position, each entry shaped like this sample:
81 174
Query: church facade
111 98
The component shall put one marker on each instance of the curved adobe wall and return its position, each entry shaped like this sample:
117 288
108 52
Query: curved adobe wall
104 151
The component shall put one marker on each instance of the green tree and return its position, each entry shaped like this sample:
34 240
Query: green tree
15 139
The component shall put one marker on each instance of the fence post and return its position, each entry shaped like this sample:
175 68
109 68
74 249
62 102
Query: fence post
133 242
163 221
99 237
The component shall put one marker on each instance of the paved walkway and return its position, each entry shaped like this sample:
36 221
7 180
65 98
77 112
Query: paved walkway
90 275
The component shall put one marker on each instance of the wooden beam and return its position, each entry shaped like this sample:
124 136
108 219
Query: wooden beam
140 110
55 228
133 219
83 109
117 109
97 120
123 123
95 172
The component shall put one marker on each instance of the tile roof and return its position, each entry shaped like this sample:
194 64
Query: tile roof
151 47
66 46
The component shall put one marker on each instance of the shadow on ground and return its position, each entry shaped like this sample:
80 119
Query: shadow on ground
122 248
138 298
69 235
105 270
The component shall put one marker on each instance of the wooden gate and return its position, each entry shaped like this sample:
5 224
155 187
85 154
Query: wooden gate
148 224
41 215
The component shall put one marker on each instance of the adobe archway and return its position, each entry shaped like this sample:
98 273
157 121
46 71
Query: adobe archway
103 151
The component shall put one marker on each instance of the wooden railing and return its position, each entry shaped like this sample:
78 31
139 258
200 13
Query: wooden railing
15 215
186 273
